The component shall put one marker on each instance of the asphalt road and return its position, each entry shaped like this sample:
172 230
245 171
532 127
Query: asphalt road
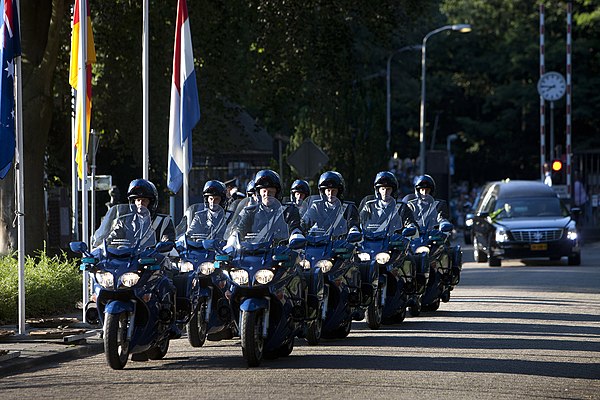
520 331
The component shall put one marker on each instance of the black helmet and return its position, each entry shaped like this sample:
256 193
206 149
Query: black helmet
139 188
332 179
424 181
250 188
267 178
215 188
300 186
386 179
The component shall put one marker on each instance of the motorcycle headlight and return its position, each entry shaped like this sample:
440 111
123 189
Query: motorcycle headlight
422 249
263 276
207 268
325 265
305 264
186 266
364 256
501 236
239 276
129 279
572 234
105 279
382 258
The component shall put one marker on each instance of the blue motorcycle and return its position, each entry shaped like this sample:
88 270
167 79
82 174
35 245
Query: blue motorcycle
386 247
201 302
332 251
266 291
132 292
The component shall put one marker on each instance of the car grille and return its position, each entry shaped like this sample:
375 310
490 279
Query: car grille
537 235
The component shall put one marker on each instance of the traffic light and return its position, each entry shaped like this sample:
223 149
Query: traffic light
558 173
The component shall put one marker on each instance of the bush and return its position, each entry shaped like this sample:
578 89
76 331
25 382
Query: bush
52 286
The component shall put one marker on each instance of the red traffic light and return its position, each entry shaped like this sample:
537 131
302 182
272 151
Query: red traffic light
556 165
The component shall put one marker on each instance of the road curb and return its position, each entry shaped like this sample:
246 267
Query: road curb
20 364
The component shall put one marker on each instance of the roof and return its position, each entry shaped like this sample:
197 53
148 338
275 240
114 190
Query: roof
508 189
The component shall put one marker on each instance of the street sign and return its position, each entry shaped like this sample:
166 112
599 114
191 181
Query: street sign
308 159
561 191
103 183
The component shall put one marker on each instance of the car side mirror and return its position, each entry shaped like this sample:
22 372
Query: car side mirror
575 211
483 214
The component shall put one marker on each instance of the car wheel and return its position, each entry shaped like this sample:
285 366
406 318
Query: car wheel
575 259
494 262
478 254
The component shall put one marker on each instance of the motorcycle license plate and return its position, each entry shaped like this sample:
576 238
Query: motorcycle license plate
539 246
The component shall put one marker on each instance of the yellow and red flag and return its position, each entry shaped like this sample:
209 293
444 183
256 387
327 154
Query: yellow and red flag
74 81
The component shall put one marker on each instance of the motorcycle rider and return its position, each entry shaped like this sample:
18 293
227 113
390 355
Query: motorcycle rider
268 185
332 186
299 191
386 190
213 217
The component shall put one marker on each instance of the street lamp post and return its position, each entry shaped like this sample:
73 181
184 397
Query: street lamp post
449 141
463 28
388 92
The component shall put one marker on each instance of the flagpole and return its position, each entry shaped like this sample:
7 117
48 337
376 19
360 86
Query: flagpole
185 174
81 97
146 155
74 178
19 176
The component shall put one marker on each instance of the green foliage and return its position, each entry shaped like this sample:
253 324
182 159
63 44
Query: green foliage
52 285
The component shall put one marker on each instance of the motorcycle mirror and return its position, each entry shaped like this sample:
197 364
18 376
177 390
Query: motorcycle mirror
446 227
354 237
78 247
164 247
409 231
297 243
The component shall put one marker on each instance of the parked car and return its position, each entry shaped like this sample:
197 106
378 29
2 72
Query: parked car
523 219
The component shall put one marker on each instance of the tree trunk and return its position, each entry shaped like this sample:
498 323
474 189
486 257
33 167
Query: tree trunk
40 42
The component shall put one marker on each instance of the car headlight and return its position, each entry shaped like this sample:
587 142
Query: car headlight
422 249
501 236
186 266
239 276
382 258
572 234
364 256
105 279
305 264
207 268
263 276
325 265
469 222
129 279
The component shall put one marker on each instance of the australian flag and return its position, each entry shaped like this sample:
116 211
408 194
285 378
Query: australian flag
11 48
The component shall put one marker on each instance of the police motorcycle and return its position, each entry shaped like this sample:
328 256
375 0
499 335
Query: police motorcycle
134 296
402 275
331 250
445 260
201 302
265 281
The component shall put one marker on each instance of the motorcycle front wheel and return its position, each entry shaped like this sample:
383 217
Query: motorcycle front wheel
313 331
198 326
251 335
375 311
116 347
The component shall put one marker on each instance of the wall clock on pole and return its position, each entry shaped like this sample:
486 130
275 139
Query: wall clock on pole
552 86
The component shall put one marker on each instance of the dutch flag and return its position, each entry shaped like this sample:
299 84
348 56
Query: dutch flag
185 107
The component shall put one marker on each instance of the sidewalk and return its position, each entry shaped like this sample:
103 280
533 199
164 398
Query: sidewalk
57 340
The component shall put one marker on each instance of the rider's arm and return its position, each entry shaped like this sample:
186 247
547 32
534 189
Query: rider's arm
292 218
352 217
407 216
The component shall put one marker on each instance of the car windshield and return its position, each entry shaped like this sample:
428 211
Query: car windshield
529 207
126 226
201 222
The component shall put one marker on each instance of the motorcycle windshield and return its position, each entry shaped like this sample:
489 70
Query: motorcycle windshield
378 218
324 220
261 223
125 229
425 212
245 202
201 222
